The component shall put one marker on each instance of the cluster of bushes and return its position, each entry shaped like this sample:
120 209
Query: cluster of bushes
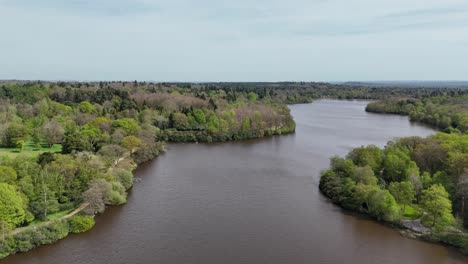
34 237
44 234
424 174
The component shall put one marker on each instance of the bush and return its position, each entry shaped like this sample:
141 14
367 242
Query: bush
124 177
80 224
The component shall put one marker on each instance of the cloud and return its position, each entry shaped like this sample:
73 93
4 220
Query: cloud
233 40
86 7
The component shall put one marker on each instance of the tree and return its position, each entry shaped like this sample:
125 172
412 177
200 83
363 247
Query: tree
364 175
4 229
398 166
383 205
462 193
97 196
112 153
130 126
7 175
11 206
179 121
75 141
403 192
370 155
20 144
53 133
435 201
199 116
14 133
86 107
131 143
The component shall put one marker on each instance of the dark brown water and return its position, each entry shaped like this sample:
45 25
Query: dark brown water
250 202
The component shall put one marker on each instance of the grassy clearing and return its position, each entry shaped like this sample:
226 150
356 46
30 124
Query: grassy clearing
411 213
52 217
30 150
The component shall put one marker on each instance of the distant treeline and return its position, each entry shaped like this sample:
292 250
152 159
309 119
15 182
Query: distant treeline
447 112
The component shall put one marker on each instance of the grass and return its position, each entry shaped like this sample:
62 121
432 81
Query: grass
411 213
53 216
30 150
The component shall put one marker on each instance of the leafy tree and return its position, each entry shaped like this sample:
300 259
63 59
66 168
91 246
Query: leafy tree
20 144
435 201
7 175
398 165
131 143
383 205
11 206
112 153
14 133
179 121
75 141
199 116
86 107
367 156
364 175
80 224
130 126
403 192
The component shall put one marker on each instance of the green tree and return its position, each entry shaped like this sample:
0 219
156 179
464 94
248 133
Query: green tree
86 107
367 156
20 144
130 126
383 205
14 133
403 192
199 116
179 121
11 206
364 175
131 143
80 224
8 175
435 201
398 166
75 141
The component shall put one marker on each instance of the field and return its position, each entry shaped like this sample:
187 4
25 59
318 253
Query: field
30 150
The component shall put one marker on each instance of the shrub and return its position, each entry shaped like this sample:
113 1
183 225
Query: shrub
80 224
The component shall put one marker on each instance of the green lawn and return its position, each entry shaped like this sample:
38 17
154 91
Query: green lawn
52 217
30 150
411 213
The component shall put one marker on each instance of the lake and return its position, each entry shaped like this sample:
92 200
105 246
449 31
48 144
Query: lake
250 202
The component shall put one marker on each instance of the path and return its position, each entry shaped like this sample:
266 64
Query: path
74 212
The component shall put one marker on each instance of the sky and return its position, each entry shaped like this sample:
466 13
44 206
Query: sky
238 40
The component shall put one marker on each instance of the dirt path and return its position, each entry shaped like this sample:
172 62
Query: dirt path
74 212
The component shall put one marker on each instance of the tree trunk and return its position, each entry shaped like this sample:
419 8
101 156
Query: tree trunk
463 207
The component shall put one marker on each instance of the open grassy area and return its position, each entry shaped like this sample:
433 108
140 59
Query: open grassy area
30 150
52 217
411 213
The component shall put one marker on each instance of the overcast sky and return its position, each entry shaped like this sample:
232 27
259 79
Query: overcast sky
238 40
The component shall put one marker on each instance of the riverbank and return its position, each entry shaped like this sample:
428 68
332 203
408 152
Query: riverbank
410 172
12 239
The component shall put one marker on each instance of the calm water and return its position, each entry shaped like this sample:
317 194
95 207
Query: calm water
250 202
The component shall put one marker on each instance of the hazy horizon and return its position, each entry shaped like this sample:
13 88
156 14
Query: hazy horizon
242 41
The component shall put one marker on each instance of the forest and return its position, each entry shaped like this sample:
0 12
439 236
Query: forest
70 145
412 179
68 149
447 112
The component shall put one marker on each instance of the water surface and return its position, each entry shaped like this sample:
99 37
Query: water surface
250 202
